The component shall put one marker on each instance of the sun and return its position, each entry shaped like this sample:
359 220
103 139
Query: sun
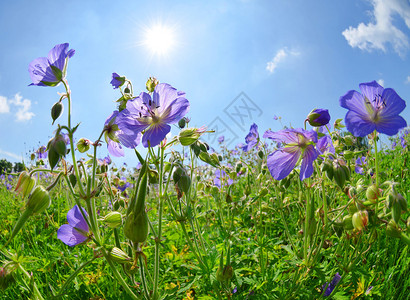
159 39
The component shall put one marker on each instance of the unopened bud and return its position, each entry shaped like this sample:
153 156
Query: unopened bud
39 200
113 219
182 123
360 219
318 117
372 192
83 145
25 184
263 192
56 111
392 230
152 82
119 256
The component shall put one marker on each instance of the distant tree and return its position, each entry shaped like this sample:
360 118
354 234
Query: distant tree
5 166
18 167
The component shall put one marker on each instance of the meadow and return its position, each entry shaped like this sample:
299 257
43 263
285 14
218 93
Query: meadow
301 213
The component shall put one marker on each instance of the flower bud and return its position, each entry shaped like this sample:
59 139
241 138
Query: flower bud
188 136
360 219
348 140
263 192
25 184
318 117
119 256
372 193
73 180
83 145
347 154
39 200
392 229
152 82
238 166
113 219
200 186
136 227
347 222
402 201
261 154
56 111
59 145
182 123
396 212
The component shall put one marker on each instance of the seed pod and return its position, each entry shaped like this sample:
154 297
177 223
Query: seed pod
372 192
182 123
402 201
396 212
392 230
53 157
347 223
56 111
39 200
119 256
136 224
25 184
360 219
113 219
339 175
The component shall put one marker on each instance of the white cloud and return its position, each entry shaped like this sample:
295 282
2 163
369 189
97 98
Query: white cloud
381 82
279 57
10 154
407 80
376 34
23 112
4 105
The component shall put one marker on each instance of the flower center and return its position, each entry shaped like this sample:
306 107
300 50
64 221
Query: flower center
149 112
375 107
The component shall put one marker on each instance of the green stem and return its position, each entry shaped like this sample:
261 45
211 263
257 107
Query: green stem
159 234
118 276
70 134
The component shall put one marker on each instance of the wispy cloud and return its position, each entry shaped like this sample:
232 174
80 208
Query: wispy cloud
11 154
381 82
407 80
4 105
279 57
23 107
382 31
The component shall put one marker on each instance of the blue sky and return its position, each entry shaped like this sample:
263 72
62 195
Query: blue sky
283 58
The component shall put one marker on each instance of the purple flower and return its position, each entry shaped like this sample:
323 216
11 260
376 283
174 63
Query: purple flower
117 80
318 117
76 231
375 109
226 180
325 145
123 184
42 152
298 142
152 115
403 142
393 145
360 163
331 286
105 161
275 117
221 139
50 70
113 136
235 290
9 186
252 139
